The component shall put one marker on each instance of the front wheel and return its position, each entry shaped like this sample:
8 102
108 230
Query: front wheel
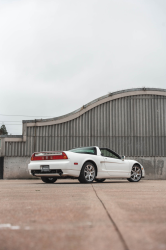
136 174
48 179
88 173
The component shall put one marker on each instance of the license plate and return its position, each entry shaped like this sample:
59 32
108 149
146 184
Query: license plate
45 168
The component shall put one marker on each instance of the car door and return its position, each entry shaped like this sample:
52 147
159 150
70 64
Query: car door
115 166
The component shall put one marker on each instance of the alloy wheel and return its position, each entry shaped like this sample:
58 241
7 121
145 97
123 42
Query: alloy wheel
135 173
89 173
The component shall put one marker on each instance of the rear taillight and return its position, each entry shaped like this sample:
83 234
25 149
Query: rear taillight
42 156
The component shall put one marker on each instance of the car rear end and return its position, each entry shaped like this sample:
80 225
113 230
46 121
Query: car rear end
49 164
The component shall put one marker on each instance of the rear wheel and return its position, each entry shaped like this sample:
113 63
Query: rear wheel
136 174
99 180
48 179
88 173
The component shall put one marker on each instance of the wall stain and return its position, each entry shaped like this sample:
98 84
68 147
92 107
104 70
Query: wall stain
159 167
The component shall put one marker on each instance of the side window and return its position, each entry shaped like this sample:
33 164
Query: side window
107 153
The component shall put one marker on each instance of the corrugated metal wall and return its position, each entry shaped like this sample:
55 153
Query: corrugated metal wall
131 126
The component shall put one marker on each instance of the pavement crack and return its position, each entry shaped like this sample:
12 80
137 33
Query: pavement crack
113 222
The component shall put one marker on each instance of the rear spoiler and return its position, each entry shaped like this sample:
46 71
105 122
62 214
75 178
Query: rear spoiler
48 155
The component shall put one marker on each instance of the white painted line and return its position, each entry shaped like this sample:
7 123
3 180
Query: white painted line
9 226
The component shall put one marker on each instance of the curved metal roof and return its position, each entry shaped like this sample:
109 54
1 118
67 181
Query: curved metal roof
94 103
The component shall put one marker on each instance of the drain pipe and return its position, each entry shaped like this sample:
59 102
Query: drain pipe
35 138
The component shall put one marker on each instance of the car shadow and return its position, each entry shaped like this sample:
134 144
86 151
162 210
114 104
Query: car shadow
78 183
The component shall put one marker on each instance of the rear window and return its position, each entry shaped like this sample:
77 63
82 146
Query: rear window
87 150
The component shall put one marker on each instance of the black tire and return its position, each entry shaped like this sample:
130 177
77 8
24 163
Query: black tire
88 173
99 180
48 179
129 180
136 174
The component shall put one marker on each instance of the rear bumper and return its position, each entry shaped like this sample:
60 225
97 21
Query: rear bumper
58 168
59 164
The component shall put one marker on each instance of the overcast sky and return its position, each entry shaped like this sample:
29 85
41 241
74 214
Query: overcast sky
58 55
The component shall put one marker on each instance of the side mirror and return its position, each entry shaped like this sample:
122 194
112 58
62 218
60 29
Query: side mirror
123 158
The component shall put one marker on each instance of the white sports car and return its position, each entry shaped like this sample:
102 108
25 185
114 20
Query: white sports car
85 164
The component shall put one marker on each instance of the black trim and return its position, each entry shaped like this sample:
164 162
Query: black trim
1 167
55 171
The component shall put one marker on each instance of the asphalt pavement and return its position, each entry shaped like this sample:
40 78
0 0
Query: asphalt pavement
67 215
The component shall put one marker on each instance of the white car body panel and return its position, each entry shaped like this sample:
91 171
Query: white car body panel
117 167
106 167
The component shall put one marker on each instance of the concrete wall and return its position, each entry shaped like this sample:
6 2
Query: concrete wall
17 167
155 167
